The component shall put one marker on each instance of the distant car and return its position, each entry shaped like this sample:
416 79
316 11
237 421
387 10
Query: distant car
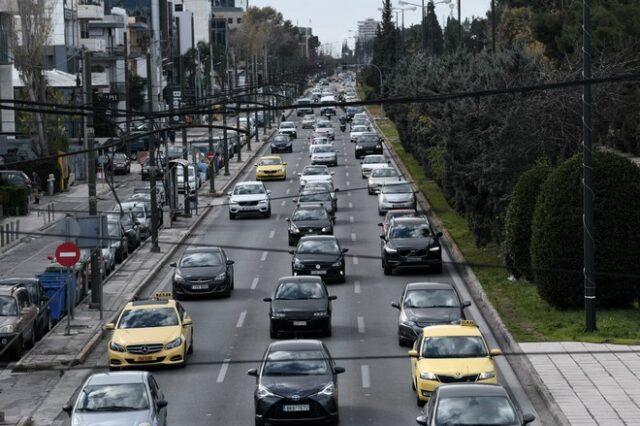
315 174
15 178
325 154
368 143
161 196
142 216
304 107
392 214
371 162
398 195
309 219
121 163
360 122
281 143
203 271
318 196
309 121
320 255
296 381
324 186
317 142
39 299
18 316
131 229
118 238
380 176
146 167
271 167
358 131
410 242
288 128
119 398
425 304
249 197
300 304
326 128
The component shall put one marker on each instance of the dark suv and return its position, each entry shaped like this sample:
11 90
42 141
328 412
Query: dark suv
368 143
410 242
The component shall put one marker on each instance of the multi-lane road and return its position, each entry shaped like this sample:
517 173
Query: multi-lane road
232 334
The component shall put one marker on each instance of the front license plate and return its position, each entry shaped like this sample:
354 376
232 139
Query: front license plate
300 323
318 272
145 358
295 408
199 287
414 259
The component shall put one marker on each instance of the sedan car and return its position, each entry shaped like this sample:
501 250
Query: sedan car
325 186
203 271
17 320
309 219
271 167
296 382
249 197
118 238
316 197
120 163
288 128
324 154
309 121
319 255
425 304
398 195
326 127
411 243
371 162
357 131
300 304
381 176
123 398
368 143
281 143
39 299
315 174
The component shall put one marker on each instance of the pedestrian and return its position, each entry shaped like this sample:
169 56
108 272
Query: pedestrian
35 187
283 118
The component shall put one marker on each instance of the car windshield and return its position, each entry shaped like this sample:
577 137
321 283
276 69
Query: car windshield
270 162
138 211
310 214
318 247
419 230
314 196
8 306
359 129
431 298
295 363
112 227
475 410
453 347
368 140
113 397
315 171
119 156
201 259
374 159
281 139
249 190
324 125
148 318
299 291
384 172
397 188
287 125
309 117
323 148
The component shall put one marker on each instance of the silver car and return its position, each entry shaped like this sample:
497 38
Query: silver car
381 176
249 197
399 195
371 162
309 121
324 154
122 398
325 127
324 187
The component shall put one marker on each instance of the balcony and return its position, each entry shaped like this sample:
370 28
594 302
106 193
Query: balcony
94 44
91 9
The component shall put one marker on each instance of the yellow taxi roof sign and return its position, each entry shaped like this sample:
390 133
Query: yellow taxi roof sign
163 295
468 323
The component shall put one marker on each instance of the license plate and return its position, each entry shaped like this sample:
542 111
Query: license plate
318 272
414 259
199 287
300 323
295 408
145 358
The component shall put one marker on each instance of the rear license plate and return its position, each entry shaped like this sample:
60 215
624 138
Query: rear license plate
414 259
318 272
199 287
300 323
295 408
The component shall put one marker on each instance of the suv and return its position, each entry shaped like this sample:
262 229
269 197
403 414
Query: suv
15 178
288 128
249 197
17 320
38 297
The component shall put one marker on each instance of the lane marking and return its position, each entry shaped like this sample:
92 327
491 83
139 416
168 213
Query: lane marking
350 205
353 237
272 234
254 283
351 219
366 378
264 256
360 324
355 260
348 183
348 193
240 322
347 174
223 370
284 202
356 287
288 191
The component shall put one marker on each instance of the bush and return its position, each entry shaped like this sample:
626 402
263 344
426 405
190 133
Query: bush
517 229
556 242
14 200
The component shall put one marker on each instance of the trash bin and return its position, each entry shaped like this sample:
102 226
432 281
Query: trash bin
53 281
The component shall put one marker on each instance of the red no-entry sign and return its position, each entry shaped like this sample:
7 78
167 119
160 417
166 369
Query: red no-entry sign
210 156
67 254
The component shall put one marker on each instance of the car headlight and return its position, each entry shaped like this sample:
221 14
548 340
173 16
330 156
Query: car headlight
174 343
178 278
221 276
326 229
434 249
144 424
233 203
358 146
486 375
264 392
278 314
378 146
294 229
264 201
303 182
274 145
337 264
7 328
408 323
390 250
328 390
116 347
320 314
425 375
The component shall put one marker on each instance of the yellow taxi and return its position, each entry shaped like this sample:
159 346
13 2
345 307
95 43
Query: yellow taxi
455 353
271 167
155 331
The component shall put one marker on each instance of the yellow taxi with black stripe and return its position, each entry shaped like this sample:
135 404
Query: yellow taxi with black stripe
156 331
452 353
271 167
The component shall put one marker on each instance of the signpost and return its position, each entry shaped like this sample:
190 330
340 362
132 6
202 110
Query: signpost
67 255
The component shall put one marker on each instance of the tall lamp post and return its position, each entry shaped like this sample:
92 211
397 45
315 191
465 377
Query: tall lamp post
424 16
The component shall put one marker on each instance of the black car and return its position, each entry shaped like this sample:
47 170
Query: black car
368 143
296 382
309 220
118 238
319 255
39 298
281 143
411 242
131 228
120 163
203 271
426 304
160 165
472 403
300 304
353 110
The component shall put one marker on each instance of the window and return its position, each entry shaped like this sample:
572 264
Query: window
239 21
23 299
230 20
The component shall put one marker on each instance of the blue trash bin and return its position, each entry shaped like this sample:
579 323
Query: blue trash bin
53 281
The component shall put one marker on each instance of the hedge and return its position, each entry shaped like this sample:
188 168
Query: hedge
557 233
14 200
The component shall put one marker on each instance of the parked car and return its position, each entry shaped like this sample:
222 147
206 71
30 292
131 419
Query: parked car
15 178
38 297
121 163
18 317
131 228
118 239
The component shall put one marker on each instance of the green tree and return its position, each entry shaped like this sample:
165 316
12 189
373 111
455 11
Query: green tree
433 32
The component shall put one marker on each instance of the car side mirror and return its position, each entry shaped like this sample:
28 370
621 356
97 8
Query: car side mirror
422 419
229 194
527 418
253 372
294 200
68 409
439 234
110 326
413 353
345 250
284 164
466 303
380 224
267 299
287 219
333 173
268 192
299 174
256 165
333 297
495 352
339 370
173 264
161 403
361 162
186 322
230 262
395 305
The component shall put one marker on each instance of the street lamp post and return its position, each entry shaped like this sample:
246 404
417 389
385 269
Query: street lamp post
424 15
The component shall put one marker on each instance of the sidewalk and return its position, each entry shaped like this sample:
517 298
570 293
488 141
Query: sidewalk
33 390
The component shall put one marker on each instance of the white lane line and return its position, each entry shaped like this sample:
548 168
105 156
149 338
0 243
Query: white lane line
351 219
288 191
353 237
223 370
366 378
284 202
360 324
277 218
356 287
355 260
254 283
297 164
350 205
264 256
348 183
348 193
273 233
240 322
347 174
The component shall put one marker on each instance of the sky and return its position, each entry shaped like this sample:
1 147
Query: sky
331 20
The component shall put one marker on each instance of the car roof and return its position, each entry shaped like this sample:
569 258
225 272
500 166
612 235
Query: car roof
472 389
410 220
202 250
429 286
300 279
117 377
249 182
451 330
147 303
319 237
295 345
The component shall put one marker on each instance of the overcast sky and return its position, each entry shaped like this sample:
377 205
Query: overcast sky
331 20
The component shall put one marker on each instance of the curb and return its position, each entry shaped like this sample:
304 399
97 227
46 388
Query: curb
533 385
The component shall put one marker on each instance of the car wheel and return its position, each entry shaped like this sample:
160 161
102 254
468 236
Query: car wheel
227 292
38 332
292 242
284 177
190 351
273 332
327 331
184 359
369 191
335 420
403 342
232 216
177 296
259 422
387 268
268 213
413 385
47 326
380 212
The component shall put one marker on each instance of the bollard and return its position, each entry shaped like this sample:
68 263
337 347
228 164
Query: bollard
50 181
1 235
11 232
18 228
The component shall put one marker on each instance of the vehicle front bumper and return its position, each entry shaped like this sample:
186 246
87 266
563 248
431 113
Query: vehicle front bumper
366 151
292 325
425 388
120 168
259 208
280 148
385 206
164 357
429 260
326 272
8 340
322 409
273 175
324 160
208 288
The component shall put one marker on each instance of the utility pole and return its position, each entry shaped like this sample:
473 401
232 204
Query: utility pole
224 129
185 146
424 29
493 26
587 174
255 97
155 248
126 93
212 162
460 24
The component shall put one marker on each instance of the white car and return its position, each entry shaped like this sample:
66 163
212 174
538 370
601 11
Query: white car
317 142
315 174
371 162
361 116
358 131
326 127
324 154
249 197
381 176
288 128
309 121
193 179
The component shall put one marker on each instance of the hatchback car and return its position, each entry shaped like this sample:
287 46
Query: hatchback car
411 243
296 382
203 271
319 255
326 128
381 176
425 304
398 195
309 219
315 174
271 167
249 197
281 143
300 304
123 398
288 128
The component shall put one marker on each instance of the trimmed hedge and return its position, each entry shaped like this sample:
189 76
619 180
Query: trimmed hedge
556 242
14 200
517 232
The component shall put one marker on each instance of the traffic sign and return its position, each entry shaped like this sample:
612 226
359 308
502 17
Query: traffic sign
210 156
67 254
